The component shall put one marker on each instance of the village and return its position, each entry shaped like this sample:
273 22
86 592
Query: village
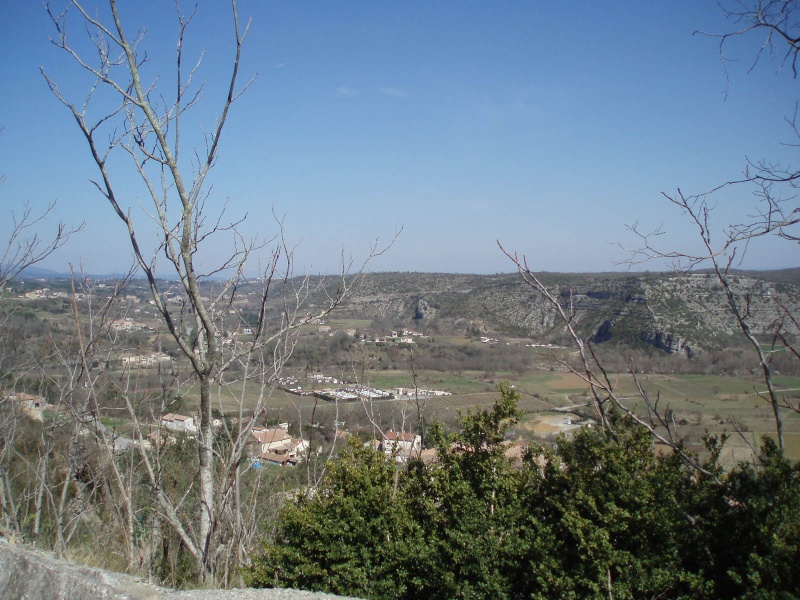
145 355
276 445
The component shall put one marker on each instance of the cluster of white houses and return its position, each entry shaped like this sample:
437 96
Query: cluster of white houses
277 446
347 391
407 333
401 336
129 324
422 393
264 445
146 360
350 391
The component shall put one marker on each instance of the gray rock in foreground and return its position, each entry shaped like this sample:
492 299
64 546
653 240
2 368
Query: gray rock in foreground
30 574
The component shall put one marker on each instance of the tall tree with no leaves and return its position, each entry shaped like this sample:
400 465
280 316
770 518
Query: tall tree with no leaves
775 213
125 114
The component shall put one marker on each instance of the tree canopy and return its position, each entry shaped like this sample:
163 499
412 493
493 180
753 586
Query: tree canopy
599 515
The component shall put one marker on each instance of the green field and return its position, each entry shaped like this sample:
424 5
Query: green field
231 402
700 402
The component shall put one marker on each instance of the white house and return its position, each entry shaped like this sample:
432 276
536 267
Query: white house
404 442
175 422
275 445
269 440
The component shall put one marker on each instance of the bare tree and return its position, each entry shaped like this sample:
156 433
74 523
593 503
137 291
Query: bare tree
602 386
722 260
146 126
26 246
778 21
775 212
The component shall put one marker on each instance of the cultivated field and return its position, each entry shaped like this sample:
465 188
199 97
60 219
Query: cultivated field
699 403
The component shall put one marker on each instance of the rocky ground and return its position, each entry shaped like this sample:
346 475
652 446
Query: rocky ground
29 573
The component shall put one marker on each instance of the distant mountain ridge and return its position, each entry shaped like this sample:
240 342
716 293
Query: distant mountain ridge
677 313
35 272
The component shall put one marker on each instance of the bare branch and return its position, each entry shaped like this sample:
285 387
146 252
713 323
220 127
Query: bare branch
25 247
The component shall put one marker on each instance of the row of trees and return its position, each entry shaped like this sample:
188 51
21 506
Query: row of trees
341 353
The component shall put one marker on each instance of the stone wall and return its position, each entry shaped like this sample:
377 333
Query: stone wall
31 574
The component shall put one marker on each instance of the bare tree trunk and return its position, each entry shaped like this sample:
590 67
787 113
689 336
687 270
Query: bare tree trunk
594 375
207 495
41 482
723 258
61 508
7 499
144 126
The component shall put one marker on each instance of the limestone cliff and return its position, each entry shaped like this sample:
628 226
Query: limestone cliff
684 314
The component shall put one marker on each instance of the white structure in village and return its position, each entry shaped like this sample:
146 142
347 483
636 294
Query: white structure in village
175 422
146 360
275 446
402 444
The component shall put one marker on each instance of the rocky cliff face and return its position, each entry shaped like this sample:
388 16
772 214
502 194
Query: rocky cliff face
682 314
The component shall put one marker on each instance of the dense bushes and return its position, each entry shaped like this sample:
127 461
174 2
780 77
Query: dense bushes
600 515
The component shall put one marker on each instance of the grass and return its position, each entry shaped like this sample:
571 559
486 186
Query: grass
229 403
792 444
122 427
350 323
484 400
700 402
550 383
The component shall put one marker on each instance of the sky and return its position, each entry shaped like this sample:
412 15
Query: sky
551 127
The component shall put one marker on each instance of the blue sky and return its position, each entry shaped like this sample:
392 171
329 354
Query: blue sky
549 126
